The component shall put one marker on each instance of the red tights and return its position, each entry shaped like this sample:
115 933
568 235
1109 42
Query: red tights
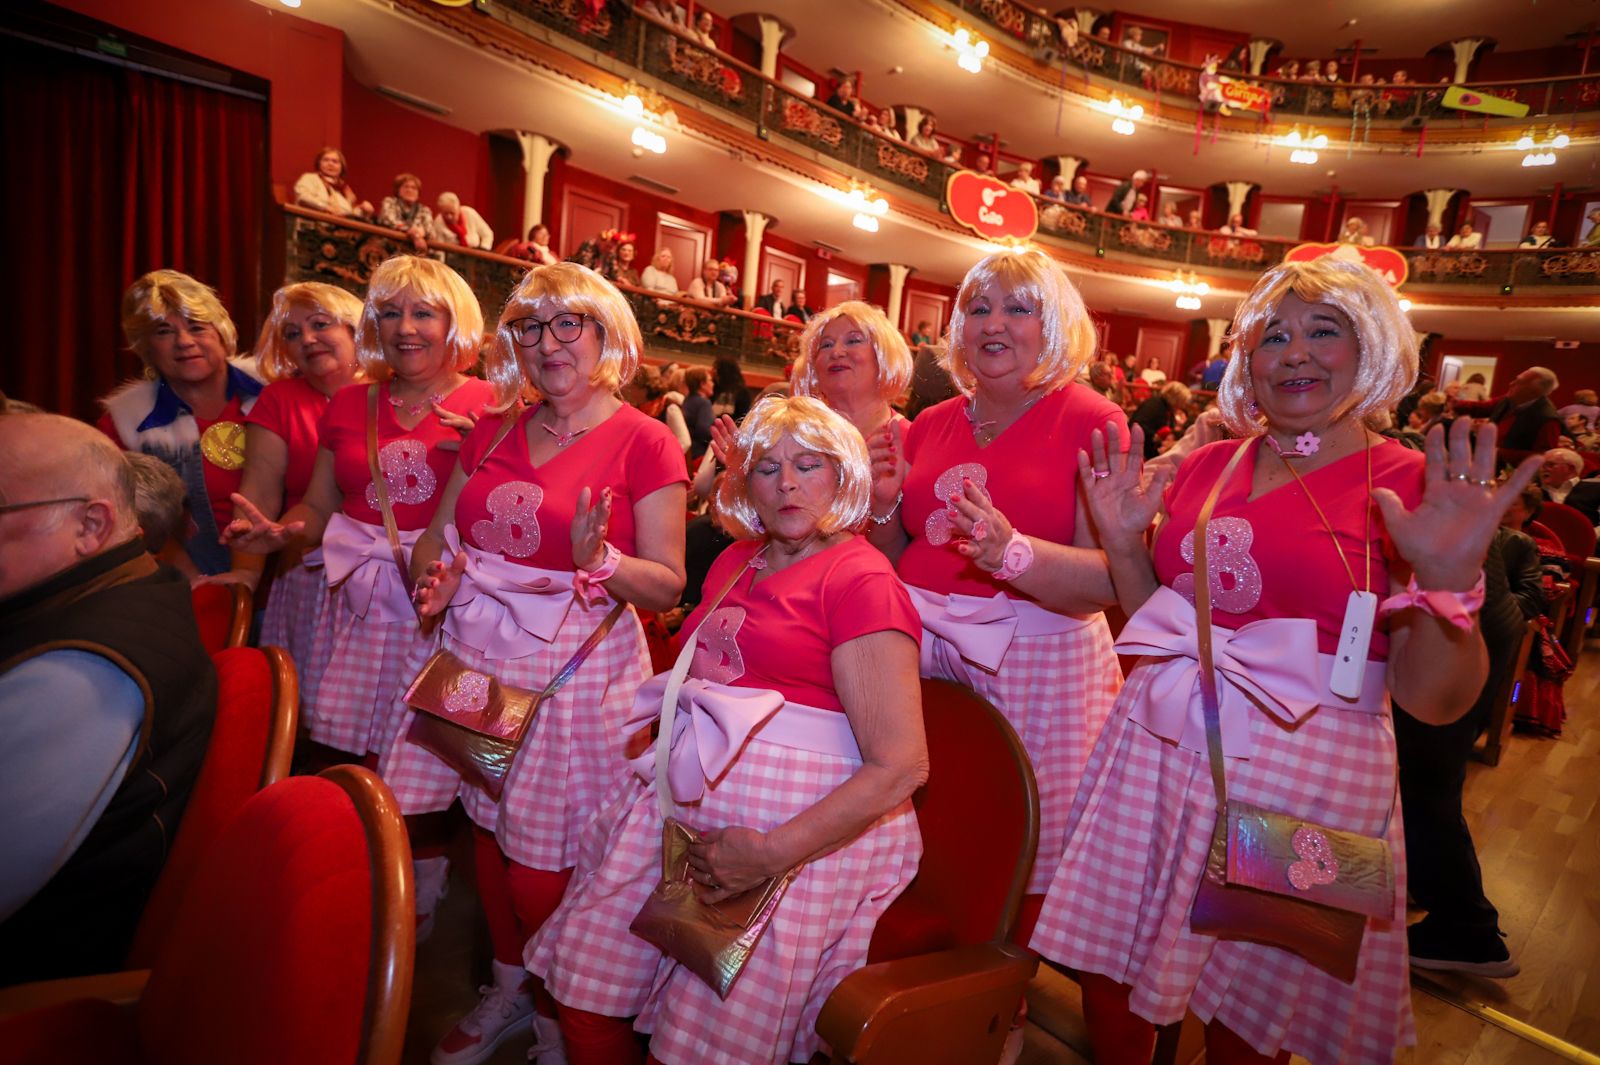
517 900
595 1039
1117 1036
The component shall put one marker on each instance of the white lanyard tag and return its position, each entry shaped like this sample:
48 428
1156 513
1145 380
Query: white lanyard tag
1355 637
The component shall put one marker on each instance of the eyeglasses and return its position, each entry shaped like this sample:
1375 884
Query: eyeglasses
566 328
7 508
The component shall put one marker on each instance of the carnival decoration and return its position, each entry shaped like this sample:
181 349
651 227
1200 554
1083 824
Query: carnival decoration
1388 262
991 208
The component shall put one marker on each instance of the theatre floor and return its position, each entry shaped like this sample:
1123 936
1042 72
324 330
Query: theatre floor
1534 817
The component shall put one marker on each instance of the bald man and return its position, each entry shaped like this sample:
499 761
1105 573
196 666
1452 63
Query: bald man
106 702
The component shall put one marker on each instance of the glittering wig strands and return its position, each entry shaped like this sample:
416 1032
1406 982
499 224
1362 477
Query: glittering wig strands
814 426
894 358
159 293
271 352
439 287
1039 281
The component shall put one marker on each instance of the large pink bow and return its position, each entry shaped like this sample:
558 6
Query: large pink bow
980 629
359 562
1272 664
499 604
709 730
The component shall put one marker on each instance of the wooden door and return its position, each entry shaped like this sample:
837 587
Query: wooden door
585 215
1165 345
781 266
842 287
925 307
690 245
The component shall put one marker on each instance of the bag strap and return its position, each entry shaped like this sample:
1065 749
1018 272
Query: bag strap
567 671
380 488
508 422
669 698
1202 609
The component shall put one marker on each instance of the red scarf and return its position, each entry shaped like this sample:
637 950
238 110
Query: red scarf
459 227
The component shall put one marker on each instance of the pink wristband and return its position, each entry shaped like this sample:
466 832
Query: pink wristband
586 582
1455 607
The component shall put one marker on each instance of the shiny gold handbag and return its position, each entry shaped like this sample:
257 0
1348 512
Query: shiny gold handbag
713 940
1271 877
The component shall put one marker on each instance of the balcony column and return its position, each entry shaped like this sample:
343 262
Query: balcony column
1257 49
1438 201
1216 329
1464 50
537 149
755 224
772 34
1238 192
1067 166
1086 17
898 272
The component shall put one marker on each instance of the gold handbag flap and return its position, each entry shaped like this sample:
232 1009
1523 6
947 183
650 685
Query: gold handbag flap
1288 855
449 689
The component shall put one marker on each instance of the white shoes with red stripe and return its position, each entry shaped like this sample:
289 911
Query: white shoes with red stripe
505 1011
548 1047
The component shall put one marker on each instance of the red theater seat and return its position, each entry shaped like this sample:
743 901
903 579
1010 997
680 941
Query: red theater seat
223 613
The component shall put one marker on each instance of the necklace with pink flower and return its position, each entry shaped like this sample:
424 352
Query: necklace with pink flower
1305 445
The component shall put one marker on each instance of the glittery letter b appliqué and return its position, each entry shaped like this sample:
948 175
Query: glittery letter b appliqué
939 529
716 656
1235 577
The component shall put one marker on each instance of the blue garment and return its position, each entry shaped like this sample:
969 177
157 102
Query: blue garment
168 406
1213 374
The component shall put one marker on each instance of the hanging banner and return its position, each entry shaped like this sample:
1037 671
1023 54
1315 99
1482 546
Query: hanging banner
1243 96
1483 103
1390 263
991 208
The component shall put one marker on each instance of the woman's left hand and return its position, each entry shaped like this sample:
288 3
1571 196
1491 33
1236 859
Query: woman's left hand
1446 537
461 423
987 531
589 527
728 861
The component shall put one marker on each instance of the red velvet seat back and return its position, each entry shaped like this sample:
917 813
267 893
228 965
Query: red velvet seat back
213 610
270 960
1575 531
979 814
234 770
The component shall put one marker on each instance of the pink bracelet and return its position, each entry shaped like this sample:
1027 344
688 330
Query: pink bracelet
1455 607
586 582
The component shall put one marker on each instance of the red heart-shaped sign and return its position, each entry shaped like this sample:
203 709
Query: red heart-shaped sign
1390 264
991 208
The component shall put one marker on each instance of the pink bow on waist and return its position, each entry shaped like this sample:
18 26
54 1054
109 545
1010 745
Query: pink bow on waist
711 727
1272 664
499 604
358 561
980 629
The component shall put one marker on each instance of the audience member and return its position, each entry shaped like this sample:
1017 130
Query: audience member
730 394
658 275
1195 218
930 381
844 97
888 124
1158 415
107 697
708 287
924 140
1125 195
705 30
923 334
1592 238
1585 402
1475 389
697 413
1079 196
1465 239
456 223
777 302
324 188
1538 236
1236 227
1355 232
1527 419
406 212
160 500
1057 189
1169 215
1432 237
1023 179
1141 208
1559 483
536 249
622 270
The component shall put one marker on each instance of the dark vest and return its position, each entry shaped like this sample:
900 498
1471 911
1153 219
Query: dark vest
121 606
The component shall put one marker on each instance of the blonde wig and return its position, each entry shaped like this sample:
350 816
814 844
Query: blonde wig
815 426
894 358
272 351
1386 343
159 293
439 287
546 291
1069 337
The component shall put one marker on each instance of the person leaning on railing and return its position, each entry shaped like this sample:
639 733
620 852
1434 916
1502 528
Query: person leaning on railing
324 188
456 223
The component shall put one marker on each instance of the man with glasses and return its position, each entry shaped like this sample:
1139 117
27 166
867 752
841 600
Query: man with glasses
106 702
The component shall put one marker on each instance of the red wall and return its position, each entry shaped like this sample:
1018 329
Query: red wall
1576 368
446 158
642 205
1122 334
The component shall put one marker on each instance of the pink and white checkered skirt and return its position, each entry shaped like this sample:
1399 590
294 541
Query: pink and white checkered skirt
294 609
571 756
818 935
1139 831
1057 691
351 705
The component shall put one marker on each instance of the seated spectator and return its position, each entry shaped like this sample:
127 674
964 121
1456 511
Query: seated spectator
1153 374
1160 413
778 304
1289 71
159 499
1432 237
1394 95
986 164
1211 375
1475 389
622 270
1364 98
671 412
731 395
1585 403
1559 483
1465 239
1079 196
324 188
1126 195
844 98
924 140
1330 72
1355 232
107 698
1103 379
1592 240
406 212
923 334
697 413
705 30
536 249
1194 219
952 156
1141 208
931 383
888 123
1538 236
1057 190
1169 215
456 223
1023 179
658 275
708 287
1431 408
1236 227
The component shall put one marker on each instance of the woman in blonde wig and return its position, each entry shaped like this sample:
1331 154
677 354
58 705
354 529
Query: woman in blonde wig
307 351
1003 565
1312 512
558 511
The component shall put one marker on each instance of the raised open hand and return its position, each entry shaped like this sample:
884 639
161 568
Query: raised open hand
255 533
438 585
1121 500
1446 537
589 527
723 431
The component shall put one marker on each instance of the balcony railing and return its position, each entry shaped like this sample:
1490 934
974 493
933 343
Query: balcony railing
344 252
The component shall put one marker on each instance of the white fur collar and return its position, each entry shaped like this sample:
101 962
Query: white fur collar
131 402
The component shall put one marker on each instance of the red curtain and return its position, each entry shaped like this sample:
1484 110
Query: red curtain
109 173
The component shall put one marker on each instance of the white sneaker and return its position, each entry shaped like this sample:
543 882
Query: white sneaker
432 879
506 1010
548 1046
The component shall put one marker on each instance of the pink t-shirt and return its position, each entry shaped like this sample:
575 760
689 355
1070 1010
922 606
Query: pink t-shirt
290 410
524 513
415 467
1272 557
780 634
1030 471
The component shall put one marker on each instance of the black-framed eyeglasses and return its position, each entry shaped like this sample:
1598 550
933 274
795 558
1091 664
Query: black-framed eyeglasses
7 508
566 328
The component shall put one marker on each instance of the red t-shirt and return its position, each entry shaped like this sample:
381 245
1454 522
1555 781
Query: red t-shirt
781 633
524 513
415 467
290 409
1030 471
221 481
1272 557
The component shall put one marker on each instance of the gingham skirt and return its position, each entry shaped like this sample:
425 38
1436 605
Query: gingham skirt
1139 831
1057 692
818 935
351 705
294 609
570 758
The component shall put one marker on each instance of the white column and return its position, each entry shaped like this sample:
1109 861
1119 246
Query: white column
914 116
755 224
1086 16
1238 192
1068 165
772 34
1464 49
897 286
1216 327
1258 49
1438 200
536 152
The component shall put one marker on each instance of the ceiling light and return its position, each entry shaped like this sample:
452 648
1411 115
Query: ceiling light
1541 151
865 222
289 3
970 50
1188 290
1123 116
1405 304
649 140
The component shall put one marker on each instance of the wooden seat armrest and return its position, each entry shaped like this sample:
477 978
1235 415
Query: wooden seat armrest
122 989
879 996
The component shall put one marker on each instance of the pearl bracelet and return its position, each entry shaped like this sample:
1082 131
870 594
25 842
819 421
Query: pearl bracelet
887 518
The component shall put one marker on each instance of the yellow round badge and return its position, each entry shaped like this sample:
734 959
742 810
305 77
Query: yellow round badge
223 445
